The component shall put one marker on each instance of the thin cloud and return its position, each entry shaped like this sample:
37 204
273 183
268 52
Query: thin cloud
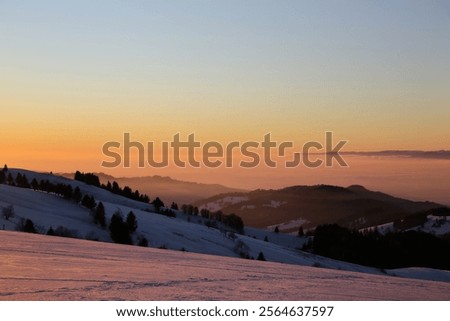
440 154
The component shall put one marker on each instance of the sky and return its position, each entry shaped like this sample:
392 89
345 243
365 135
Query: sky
77 74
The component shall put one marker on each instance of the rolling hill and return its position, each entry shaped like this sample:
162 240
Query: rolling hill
309 206
179 233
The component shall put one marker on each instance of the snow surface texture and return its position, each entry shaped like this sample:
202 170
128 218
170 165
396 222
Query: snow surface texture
37 267
289 225
221 203
274 204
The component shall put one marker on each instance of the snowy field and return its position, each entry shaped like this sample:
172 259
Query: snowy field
37 267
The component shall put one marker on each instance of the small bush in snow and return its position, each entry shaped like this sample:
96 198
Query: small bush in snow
65 232
261 257
26 225
142 241
242 249
8 212
212 224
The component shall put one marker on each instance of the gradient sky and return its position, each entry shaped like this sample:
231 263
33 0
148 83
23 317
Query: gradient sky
74 75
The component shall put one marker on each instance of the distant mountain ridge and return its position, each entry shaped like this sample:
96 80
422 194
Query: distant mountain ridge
166 188
288 208
309 206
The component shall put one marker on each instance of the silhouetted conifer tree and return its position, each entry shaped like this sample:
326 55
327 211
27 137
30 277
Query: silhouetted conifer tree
18 180
2 177
157 203
235 222
67 191
77 196
51 231
145 199
88 178
99 215
29 226
10 179
119 229
205 213
127 192
261 257
115 188
88 202
34 184
218 215
132 222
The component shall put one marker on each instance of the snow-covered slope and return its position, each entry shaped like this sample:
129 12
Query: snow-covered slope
421 273
98 193
37 267
183 233
47 210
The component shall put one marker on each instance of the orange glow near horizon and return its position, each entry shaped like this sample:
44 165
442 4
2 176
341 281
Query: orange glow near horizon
73 78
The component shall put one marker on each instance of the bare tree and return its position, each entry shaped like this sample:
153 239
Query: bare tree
8 212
